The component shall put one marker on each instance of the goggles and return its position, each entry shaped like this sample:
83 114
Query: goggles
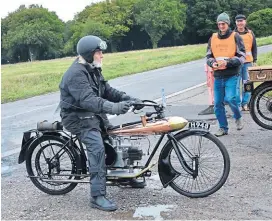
102 46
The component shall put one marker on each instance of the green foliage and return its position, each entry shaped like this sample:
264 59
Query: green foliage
110 20
264 41
157 17
32 33
202 15
260 22
117 14
97 28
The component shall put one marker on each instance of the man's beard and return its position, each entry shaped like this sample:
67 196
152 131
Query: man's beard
97 64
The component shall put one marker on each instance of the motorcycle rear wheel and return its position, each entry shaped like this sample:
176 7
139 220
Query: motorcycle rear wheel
53 165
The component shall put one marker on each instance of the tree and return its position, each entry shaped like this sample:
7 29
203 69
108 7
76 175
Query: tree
260 22
157 17
32 33
202 15
115 15
80 30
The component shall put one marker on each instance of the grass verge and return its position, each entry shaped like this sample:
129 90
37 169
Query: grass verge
264 41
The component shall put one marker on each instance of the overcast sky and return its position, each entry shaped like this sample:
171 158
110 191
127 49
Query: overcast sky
64 9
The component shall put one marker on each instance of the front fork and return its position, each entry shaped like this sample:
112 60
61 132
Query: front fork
193 171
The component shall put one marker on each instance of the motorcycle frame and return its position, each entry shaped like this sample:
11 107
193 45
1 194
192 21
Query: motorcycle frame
70 140
84 173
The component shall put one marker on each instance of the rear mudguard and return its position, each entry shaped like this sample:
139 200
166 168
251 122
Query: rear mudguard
29 141
166 172
26 141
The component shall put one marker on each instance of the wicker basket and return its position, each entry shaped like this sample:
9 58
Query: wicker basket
260 73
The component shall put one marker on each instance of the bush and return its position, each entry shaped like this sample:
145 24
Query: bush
260 22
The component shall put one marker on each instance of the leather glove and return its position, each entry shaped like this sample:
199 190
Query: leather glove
116 108
135 100
121 107
126 97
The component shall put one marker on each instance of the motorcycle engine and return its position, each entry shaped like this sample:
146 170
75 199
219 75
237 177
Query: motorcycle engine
127 151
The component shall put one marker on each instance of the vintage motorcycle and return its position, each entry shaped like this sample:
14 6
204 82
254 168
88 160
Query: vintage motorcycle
56 160
260 105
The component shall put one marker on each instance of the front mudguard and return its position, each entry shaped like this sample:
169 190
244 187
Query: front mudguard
166 172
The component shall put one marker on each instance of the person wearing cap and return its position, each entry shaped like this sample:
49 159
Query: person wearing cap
85 99
225 54
251 58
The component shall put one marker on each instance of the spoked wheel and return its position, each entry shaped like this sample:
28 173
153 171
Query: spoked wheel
208 160
261 105
52 162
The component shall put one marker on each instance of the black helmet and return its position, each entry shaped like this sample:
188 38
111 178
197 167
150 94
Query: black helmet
88 45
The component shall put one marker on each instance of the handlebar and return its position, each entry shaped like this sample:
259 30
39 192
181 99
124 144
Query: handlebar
159 109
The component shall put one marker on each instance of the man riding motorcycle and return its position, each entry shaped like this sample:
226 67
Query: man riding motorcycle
85 99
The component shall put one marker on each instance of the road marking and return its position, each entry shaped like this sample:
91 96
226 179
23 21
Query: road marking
17 150
22 113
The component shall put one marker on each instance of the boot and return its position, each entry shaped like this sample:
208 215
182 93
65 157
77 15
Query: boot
209 110
102 203
135 183
221 132
239 124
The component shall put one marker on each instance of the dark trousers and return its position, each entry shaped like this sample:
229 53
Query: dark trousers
96 157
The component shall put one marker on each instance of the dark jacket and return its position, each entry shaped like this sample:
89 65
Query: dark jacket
254 49
83 91
234 64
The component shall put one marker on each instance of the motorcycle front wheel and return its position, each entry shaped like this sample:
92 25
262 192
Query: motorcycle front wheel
203 153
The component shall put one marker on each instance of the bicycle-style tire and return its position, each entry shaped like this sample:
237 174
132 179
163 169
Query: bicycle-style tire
30 172
254 105
225 157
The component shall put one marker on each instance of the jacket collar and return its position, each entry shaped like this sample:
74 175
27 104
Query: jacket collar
228 33
246 30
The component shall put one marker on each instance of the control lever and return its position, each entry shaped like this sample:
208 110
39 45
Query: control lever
149 114
137 106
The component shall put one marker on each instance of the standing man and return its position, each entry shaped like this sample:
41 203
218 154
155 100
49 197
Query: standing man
225 54
86 97
251 56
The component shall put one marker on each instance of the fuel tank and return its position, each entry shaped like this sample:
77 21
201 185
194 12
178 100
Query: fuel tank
158 126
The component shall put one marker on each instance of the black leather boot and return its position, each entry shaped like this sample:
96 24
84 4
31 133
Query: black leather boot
102 203
135 183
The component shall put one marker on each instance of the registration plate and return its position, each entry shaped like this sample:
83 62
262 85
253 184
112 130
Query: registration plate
194 125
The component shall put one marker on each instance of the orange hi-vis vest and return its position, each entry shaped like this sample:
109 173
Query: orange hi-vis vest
223 48
248 40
